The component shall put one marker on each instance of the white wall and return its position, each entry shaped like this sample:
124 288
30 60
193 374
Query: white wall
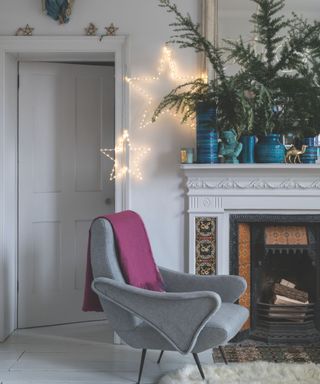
159 197
234 15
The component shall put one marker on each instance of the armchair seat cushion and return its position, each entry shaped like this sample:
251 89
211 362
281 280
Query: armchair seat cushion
220 328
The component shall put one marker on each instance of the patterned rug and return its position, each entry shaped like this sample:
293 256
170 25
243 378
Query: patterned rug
246 373
277 354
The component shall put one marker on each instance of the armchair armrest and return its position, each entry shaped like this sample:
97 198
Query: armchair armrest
179 317
229 287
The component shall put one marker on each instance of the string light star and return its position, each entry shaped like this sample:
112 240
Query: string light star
167 63
124 147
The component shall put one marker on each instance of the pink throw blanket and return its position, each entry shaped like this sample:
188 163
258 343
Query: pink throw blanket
134 256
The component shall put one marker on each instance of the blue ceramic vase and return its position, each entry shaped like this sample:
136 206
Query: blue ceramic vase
269 149
311 154
247 153
207 136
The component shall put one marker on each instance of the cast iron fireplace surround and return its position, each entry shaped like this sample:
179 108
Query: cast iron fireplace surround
301 265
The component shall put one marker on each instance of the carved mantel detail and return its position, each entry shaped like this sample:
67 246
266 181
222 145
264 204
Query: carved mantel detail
219 190
253 184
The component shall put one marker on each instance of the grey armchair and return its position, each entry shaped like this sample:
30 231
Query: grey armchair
194 314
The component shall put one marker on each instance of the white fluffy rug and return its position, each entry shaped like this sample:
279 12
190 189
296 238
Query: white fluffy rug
247 373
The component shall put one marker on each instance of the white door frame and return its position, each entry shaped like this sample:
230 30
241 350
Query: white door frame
50 48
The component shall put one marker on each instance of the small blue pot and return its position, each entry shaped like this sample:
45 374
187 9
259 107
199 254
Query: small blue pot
311 154
269 149
207 136
247 153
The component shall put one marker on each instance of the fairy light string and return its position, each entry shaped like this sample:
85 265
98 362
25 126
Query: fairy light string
123 147
167 63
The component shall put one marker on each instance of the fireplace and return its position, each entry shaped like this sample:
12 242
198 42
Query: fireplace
224 201
279 255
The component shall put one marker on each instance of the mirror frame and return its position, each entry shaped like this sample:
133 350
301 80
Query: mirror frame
210 29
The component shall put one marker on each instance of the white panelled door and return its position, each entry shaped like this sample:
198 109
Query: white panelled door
66 114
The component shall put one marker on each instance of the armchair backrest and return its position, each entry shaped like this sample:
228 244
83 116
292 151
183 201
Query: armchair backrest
105 263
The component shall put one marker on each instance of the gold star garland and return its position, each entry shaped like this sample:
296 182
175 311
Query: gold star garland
91 30
26 31
111 30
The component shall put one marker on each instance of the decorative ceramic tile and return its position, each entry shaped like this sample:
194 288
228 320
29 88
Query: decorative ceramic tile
244 267
206 245
286 235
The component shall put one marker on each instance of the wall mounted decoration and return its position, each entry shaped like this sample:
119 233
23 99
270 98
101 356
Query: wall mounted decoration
124 146
59 10
167 69
26 31
111 30
91 30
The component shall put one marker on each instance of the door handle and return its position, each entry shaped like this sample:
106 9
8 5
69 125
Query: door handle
108 200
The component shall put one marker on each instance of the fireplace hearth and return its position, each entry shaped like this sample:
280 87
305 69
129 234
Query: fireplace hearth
279 255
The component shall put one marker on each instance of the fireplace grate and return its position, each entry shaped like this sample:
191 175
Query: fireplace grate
276 313
286 323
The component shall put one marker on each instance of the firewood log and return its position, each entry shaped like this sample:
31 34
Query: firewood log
292 293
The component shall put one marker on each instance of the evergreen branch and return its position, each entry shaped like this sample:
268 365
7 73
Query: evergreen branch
247 58
193 38
184 98
268 28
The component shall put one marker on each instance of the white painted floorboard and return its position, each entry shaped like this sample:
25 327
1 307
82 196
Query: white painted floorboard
80 353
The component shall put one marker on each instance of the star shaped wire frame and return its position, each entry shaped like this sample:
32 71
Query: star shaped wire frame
167 64
124 146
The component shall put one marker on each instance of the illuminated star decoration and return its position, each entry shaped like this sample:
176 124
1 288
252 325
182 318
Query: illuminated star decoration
167 63
124 146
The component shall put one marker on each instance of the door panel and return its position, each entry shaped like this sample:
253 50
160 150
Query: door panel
66 114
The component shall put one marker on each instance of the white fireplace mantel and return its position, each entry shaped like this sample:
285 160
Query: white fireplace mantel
218 190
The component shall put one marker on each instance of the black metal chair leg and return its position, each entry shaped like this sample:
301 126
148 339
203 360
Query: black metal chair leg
143 356
160 357
223 354
196 358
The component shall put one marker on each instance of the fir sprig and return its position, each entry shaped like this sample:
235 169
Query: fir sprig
269 26
184 98
187 35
